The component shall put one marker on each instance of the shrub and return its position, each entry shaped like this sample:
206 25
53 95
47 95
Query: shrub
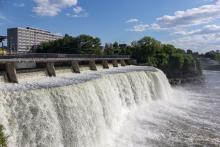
3 138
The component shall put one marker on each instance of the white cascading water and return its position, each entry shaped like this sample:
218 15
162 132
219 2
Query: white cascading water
85 110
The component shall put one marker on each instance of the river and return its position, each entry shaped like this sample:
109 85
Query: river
190 118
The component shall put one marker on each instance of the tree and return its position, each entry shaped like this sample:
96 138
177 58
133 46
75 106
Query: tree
189 51
175 65
189 66
83 44
89 44
145 49
168 49
149 45
162 61
108 49
115 45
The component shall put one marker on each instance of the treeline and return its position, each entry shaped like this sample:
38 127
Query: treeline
214 55
83 44
176 63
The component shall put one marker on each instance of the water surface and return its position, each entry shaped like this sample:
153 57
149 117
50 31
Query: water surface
190 118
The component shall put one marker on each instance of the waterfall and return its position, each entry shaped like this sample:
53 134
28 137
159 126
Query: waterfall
85 110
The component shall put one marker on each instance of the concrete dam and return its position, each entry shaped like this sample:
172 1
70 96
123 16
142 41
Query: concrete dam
75 110
26 63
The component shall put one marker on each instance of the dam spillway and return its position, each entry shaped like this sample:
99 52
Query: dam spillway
78 110
24 63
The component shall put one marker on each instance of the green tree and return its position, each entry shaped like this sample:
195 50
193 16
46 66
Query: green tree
83 44
189 66
168 49
189 52
145 49
175 65
162 61
89 44
108 49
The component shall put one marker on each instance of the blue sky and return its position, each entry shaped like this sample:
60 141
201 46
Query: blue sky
188 24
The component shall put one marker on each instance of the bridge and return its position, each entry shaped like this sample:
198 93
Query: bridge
10 64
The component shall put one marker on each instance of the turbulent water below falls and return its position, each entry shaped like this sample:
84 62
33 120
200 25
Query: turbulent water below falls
121 107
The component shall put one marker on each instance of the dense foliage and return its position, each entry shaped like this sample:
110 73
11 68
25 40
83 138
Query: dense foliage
3 140
215 55
83 44
176 63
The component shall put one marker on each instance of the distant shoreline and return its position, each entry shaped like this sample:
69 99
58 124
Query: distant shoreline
180 81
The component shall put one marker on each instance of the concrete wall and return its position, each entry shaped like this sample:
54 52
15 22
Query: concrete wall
50 69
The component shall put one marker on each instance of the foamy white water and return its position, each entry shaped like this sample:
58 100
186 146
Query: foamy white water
121 107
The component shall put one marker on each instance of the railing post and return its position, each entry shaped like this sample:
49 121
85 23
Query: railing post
122 62
11 73
92 65
50 69
115 63
75 66
105 64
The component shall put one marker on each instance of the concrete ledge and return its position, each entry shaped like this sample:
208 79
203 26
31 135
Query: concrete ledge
105 64
92 65
11 73
50 69
122 62
115 63
132 62
9 65
75 66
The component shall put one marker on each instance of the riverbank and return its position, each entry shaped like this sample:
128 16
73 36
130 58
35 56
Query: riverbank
180 81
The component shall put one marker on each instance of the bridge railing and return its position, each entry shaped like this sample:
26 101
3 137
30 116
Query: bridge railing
10 63
53 55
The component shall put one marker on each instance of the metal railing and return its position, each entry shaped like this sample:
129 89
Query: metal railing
53 55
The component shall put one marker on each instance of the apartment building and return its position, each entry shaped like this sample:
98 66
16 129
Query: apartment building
21 40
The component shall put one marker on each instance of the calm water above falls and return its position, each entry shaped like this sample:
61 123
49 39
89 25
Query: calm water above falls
190 118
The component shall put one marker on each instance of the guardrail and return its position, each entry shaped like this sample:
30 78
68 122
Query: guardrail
53 55
10 63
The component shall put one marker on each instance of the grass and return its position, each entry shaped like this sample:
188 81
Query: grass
3 138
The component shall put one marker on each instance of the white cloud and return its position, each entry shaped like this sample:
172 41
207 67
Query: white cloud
78 9
132 20
191 17
200 43
78 12
145 27
140 28
193 28
208 29
52 7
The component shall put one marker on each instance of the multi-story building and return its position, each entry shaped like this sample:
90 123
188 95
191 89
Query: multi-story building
21 40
